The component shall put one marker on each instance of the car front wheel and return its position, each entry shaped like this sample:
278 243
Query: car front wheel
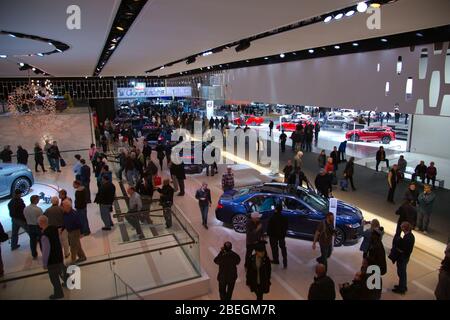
240 223
22 184
386 140
339 238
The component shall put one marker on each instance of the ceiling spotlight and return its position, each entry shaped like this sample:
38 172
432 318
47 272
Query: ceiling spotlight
294 53
220 66
350 13
34 69
362 7
207 53
384 40
3 56
243 45
311 51
328 19
120 28
161 68
282 55
375 5
266 58
247 61
112 47
419 34
40 54
339 16
12 36
59 50
209 67
355 44
21 64
337 47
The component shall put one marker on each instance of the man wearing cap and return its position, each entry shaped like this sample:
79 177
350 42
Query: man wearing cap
259 271
227 260
254 233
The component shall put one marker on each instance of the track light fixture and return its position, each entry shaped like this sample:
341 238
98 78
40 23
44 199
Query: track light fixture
243 45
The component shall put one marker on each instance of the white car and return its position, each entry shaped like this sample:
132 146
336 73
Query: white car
297 116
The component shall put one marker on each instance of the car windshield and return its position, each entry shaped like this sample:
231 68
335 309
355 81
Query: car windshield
314 200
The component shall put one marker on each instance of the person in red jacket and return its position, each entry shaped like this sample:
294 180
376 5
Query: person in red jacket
431 173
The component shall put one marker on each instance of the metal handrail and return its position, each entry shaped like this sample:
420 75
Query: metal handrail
126 286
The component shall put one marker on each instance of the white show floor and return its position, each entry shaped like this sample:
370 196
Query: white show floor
292 283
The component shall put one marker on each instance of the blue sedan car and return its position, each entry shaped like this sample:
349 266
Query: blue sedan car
303 208
15 176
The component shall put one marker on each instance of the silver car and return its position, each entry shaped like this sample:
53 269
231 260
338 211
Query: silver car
13 177
339 121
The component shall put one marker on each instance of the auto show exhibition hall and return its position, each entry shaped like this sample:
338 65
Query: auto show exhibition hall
139 111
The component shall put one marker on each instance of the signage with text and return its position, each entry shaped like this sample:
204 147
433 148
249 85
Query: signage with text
154 92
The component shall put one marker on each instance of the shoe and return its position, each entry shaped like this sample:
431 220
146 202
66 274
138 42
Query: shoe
59 171
141 236
15 248
80 260
425 232
54 297
275 262
86 234
396 287
206 226
106 229
416 228
181 194
284 265
45 170
398 291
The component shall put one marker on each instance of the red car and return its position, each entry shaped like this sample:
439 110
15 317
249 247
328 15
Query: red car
248 120
382 134
291 125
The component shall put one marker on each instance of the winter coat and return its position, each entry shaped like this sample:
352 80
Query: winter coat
322 289
227 261
265 272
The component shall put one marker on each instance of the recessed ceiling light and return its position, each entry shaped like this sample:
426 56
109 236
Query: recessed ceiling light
282 55
12 36
337 47
266 58
247 61
355 44
375 5
161 68
350 13
209 67
384 40
3 56
120 28
50 44
362 7
59 50
294 53
328 19
419 34
339 16
207 53
21 64
40 54
220 66
311 51
34 69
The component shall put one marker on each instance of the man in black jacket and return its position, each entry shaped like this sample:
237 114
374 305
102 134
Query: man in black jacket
16 206
323 286
105 198
6 154
335 156
420 171
85 179
181 176
276 230
283 138
203 195
405 247
323 183
166 201
227 260
406 212
22 155
381 156
52 257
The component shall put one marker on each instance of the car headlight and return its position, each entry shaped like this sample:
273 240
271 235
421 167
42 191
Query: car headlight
353 226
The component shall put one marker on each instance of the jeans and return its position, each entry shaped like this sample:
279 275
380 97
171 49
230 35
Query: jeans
226 289
106 215
175 183
423 220
16 225
54 164
378 163
402 263
132 176
433 179
350 179
56 273
414 177
39 163
181 184
391 193
204 211
84 221
35 235
308 146
64 239
274 243
325 253
119 173
167 213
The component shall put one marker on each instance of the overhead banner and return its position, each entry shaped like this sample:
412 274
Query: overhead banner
154 92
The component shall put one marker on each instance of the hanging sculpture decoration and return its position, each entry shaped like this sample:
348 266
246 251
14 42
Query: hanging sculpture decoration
34 108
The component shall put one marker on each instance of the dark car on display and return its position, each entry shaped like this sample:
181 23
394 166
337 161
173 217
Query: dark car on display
137 123
382 134
13 177
191 165
304 208
248 120
338 121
